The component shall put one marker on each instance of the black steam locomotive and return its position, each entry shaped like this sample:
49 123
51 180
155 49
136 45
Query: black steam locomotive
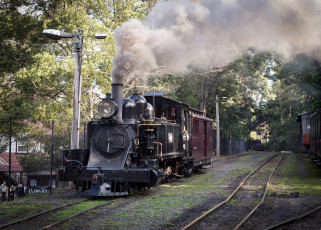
138 143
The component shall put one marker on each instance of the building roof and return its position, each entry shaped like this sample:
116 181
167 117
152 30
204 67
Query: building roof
4 163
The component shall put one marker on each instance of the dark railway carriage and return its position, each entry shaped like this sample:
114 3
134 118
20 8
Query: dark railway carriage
196 139
315 136
138 142
310 132
304 119
202 139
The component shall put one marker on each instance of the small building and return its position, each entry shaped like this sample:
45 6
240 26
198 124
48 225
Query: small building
42 179
16 168
39 179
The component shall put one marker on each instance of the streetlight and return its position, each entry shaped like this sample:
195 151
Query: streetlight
56 35
218 140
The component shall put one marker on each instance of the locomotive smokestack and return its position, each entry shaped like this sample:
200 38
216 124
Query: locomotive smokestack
117 94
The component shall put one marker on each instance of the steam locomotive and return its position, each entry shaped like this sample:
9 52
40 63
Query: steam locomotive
139 142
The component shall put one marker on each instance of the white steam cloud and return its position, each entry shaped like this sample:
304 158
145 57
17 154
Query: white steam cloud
177 34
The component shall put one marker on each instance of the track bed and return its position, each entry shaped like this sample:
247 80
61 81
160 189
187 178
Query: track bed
294 190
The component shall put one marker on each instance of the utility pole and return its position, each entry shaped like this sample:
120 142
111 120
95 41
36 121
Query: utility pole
56 34
218 138
10 136
74 143
51 157
218 150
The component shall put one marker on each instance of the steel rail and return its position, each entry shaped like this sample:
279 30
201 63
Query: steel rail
262 200
191 224
77 214
294 219
39 214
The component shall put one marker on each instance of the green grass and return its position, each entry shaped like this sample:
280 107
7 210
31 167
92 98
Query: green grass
167 224
242 170
75 209
245 158
291 180
111 223
16 209
263 157
30 205
171 200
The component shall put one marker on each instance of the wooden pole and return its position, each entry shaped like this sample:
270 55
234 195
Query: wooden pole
10 135
51 157
218 150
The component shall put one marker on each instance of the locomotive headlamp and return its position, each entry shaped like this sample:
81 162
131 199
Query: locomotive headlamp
107 108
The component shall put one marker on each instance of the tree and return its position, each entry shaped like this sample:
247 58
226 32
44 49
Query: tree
36 81
245 84
297 89
34 162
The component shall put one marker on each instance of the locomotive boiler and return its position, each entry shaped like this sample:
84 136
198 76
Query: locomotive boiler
137 143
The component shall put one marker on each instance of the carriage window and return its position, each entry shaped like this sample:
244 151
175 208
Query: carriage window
195 127
159 111
172 113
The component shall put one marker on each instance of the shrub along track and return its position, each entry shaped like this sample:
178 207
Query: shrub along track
48 218
231 209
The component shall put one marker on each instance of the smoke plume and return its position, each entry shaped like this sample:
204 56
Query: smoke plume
178 34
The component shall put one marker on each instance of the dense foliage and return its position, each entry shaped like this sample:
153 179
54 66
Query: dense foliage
263 95
36 73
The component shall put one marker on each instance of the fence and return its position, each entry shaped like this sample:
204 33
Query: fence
237 146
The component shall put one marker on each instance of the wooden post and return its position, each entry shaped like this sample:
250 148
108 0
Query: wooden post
10 135
218 150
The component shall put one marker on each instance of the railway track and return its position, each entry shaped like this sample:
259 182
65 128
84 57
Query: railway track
294 219
211 212
41 221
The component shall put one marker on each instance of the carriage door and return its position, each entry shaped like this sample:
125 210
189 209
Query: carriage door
204 138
